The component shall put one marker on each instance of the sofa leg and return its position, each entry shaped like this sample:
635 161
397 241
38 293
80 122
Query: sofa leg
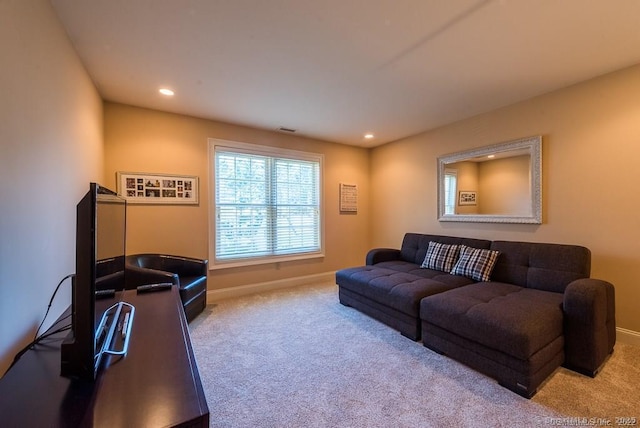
583 371
413 337
436 350
587 372
521 390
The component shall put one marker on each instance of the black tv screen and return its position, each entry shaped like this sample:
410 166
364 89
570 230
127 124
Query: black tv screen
100 272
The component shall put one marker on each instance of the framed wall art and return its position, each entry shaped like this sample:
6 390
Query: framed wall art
149 188
467 198
348 198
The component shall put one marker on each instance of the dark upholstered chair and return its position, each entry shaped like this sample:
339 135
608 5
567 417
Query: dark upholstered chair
110 273
190 275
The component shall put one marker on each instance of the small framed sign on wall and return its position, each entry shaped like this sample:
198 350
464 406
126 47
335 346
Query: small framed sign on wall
149 188
348 198
467 198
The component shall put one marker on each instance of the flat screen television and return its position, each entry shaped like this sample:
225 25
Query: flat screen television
100 272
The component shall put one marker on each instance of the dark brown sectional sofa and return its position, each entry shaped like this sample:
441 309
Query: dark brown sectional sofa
539 310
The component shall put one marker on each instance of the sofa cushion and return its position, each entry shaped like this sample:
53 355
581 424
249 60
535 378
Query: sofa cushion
399 290
414 245
440 256
515 320
549 267
436 275
475 263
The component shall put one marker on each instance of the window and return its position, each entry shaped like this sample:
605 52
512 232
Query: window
450 179
266 204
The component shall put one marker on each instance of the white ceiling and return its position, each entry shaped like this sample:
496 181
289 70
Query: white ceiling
335 69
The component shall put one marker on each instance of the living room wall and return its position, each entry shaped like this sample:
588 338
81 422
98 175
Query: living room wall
142 140
590 136
51 148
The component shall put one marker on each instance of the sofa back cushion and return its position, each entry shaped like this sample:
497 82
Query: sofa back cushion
549 267
414 245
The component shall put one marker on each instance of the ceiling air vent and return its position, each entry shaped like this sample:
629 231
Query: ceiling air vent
289 130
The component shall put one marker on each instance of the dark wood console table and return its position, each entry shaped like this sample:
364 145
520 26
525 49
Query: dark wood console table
156 385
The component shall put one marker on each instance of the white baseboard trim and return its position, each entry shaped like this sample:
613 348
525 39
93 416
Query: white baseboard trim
629 337
244 290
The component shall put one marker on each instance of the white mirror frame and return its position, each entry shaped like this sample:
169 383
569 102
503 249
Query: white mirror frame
534 147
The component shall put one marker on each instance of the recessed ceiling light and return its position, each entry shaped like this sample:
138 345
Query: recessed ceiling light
167 92
491 156
368 136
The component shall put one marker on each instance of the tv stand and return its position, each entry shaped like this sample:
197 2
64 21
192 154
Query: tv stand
156 384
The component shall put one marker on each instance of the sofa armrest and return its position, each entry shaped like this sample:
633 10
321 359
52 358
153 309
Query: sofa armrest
589 324
378 255
111 281
184 266
135 276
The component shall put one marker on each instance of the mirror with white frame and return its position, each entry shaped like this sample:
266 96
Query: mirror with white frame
501 183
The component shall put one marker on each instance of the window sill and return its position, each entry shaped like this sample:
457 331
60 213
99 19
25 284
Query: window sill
217 265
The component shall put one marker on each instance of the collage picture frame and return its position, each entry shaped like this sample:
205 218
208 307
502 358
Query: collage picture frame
151 188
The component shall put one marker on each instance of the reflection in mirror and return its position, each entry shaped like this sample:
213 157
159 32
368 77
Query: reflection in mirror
494 184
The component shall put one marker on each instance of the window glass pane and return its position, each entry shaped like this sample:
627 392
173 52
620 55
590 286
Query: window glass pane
242 231
297 229
265 206
450 183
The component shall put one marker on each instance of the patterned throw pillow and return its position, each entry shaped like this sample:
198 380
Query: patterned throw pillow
441 256
475 263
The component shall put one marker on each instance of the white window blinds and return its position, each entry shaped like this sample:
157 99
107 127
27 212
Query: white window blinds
265 205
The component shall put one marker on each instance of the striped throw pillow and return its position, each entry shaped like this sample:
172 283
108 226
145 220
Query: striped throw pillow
440 256
475 263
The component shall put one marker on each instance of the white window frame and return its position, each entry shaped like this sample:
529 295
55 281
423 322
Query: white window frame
259 150
451 195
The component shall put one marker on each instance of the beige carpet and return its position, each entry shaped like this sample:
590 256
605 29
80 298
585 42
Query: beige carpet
298 358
